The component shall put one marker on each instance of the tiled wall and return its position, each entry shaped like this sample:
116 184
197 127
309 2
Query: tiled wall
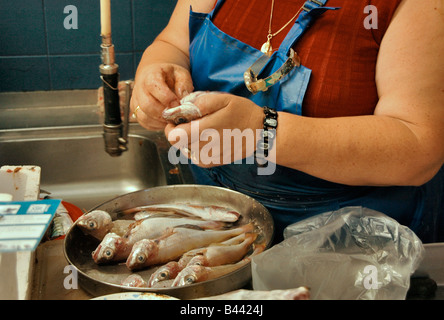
37 52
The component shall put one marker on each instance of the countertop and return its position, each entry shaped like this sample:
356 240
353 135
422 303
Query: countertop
53 282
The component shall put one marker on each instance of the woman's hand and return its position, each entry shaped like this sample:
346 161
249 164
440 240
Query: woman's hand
227 131
163 76
157 87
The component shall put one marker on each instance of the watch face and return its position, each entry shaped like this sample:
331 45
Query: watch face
270 122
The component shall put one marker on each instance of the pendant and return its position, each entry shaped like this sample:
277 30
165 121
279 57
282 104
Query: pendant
267 48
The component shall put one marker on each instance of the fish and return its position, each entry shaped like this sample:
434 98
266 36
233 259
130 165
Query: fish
154 227
98 223
197 273
137 281
215 213
187 256
121 227
115 248
112 248
169 271
138 213
217 255
187 111
163 284
164 273
134 281
175 242
155 214
184 113
194 273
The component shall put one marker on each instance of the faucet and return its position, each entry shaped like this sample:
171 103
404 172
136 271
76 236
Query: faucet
115 133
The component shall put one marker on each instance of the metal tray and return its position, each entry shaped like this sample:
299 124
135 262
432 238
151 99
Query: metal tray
102 280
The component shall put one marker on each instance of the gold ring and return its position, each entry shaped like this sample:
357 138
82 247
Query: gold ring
134 115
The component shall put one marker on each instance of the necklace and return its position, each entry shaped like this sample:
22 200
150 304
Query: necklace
266 47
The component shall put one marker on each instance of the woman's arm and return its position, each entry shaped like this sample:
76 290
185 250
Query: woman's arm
403 142
162 77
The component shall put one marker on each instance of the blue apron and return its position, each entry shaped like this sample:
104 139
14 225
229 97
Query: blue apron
218 62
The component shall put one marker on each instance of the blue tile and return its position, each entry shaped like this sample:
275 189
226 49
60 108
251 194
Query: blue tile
39 52
137 58
82 71
126 66
75 72
22 28
84 39
121 25
150 18
24 74
63 38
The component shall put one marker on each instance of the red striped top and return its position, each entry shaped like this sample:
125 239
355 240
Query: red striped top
340 48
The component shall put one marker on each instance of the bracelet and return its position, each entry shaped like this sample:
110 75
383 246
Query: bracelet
268 135
254 85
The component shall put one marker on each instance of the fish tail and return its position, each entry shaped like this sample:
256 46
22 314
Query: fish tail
190 226
218 225
130 211
247 228
258 248
235 240
250 237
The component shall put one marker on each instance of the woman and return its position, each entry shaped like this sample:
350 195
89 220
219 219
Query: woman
360 121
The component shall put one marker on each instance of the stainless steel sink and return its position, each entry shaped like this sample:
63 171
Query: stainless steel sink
62 133
76 168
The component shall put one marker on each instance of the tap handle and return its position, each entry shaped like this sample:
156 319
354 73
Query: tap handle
128 94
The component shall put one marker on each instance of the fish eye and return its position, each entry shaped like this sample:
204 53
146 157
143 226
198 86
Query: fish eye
92 224
190 280
164 275
180 120
141 258
197 262
108 253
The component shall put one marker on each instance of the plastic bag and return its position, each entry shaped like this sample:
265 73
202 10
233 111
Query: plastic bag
352 253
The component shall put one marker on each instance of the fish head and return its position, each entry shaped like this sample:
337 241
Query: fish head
164 273
141 253
191 274
143 214
229 214
198 260
187 110
97 223
134 281
107 249
184 113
